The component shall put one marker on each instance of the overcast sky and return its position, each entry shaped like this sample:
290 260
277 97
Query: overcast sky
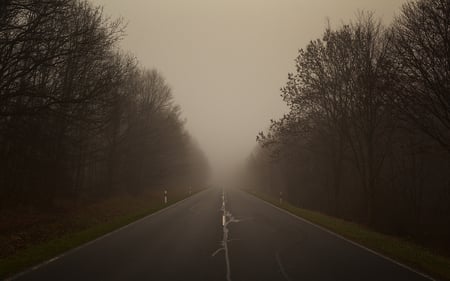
227 59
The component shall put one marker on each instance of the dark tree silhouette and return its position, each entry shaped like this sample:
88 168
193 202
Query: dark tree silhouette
422 41
367 133
77 116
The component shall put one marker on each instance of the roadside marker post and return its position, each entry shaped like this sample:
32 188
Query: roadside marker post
281 197
165 196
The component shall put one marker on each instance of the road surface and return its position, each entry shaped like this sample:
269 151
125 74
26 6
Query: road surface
215 236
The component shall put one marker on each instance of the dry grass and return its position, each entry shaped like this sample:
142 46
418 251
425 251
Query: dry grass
406 252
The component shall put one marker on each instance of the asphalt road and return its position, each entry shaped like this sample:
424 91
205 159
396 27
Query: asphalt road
208 237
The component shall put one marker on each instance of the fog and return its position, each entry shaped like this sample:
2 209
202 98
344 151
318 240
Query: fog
226 60
194 136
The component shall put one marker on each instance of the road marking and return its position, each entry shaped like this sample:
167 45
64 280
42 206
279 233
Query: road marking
280 265
345 239
33 268
227 218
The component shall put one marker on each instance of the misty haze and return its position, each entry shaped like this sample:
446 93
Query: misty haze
225 140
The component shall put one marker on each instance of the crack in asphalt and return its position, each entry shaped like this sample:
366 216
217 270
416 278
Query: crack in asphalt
227 218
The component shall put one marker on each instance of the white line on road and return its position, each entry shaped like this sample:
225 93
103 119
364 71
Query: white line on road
345 239
100 238
227 218
280 265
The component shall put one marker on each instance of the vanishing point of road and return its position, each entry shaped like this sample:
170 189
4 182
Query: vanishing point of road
221 235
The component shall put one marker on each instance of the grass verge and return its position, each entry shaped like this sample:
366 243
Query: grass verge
43 251
406 252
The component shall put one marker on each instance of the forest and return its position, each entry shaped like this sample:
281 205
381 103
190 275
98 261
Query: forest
79 117
367 134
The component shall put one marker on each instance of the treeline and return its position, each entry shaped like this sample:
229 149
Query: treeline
78 117
367 135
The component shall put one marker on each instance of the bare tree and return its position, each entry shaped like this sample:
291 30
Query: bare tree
78 116
422 43
365 101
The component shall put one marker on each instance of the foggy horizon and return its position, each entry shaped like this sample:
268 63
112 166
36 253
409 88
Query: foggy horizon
225 140
226 60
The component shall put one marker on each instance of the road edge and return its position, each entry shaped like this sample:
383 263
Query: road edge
344 238
68 252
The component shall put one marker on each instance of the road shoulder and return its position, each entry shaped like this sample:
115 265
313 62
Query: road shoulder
404 253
